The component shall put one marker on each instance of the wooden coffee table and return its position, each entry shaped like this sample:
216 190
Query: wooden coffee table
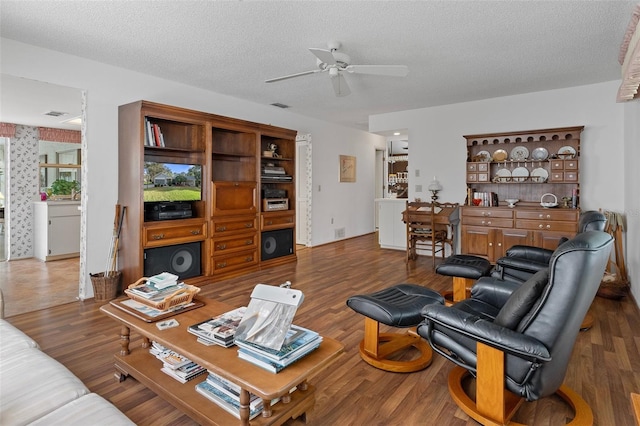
144 367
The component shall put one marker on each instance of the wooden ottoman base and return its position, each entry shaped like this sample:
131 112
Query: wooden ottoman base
376 348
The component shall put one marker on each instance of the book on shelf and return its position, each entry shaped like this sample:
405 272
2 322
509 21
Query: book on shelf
233 391
182 374
269 315
220 329
224 401
168 357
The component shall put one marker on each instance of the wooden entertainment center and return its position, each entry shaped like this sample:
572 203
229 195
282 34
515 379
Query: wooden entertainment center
527 166
229 230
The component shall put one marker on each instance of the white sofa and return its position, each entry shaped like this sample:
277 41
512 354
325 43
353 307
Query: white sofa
35 389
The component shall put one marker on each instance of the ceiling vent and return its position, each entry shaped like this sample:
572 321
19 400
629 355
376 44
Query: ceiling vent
55 113
279 105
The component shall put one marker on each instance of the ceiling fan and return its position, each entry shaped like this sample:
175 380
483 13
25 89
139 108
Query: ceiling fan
335 63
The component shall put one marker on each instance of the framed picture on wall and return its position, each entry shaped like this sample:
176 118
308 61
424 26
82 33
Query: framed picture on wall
347 168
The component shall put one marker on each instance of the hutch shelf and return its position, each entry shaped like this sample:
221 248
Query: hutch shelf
531 167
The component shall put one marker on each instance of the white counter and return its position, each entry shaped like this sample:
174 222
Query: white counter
56 226
392 231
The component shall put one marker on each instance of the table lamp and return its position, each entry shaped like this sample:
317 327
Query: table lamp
434 187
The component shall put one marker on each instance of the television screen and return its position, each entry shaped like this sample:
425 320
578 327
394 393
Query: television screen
172 182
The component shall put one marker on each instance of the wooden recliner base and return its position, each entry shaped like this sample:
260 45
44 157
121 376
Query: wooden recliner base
495 405
376 348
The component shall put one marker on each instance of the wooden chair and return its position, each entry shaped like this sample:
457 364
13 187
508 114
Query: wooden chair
424 233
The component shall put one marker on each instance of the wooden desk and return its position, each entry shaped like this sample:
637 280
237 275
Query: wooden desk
448 216
143 366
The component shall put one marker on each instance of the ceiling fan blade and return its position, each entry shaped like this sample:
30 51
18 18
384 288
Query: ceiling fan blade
324 55
390 70
340 86
271 80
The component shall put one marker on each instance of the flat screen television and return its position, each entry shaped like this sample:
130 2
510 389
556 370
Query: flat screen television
171 182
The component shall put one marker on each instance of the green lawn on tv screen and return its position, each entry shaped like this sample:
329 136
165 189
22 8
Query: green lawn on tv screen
172 193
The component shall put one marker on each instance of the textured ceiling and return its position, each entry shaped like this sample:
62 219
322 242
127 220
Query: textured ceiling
456 51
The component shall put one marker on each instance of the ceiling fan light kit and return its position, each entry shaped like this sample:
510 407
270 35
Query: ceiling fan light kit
335 63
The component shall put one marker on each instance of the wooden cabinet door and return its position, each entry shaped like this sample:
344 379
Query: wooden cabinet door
232 198
550 240
509 238
478 241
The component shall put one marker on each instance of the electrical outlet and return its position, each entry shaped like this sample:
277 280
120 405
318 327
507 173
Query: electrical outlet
417 172
332 221
418 188
319 188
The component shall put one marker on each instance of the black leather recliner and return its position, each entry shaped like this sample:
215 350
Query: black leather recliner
521 261
520 341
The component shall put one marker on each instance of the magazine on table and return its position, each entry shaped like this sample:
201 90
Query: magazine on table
219 329
269 315
273 365
296 340
223 400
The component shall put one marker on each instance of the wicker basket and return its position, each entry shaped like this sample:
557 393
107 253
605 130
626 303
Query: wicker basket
105 288
179 297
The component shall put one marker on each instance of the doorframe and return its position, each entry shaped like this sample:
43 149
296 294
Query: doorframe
304 165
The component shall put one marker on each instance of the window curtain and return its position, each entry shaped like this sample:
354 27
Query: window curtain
7 130
629 58
58 135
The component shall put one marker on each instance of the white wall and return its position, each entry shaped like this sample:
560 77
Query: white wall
632 194
609 145
108 87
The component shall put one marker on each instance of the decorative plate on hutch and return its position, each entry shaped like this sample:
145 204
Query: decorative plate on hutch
540 154
567 152
539 175
483 156
502 175
500 155
519 153
520 174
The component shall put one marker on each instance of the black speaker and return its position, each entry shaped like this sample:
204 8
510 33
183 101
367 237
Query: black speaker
276 243
182 260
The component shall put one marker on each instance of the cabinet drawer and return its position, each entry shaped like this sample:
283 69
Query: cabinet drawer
548 214
472 167
269 221
571 164
164 235
472 177
547 225
556 176
484 212
234 198
64 210
234 243
223 226
488 221
234 261
557 165
570 176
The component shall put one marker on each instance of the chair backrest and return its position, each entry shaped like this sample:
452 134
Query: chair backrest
592 220
419 215
574 275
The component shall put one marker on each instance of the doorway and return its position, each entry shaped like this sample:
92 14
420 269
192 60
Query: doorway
31 105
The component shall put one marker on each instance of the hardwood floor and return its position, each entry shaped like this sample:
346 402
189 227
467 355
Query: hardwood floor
605 366
30 284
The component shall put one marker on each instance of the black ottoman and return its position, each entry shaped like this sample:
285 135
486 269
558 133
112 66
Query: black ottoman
465 270
397 306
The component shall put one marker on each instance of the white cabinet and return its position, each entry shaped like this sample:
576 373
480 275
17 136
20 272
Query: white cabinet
392 231
56 229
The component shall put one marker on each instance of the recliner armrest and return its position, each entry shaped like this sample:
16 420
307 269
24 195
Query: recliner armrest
493 291
521 264
486 332
534 254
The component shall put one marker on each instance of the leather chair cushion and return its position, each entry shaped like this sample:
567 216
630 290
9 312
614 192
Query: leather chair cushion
397 306
464 266
522 300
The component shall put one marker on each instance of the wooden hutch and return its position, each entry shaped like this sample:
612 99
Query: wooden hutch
232 225
530 166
